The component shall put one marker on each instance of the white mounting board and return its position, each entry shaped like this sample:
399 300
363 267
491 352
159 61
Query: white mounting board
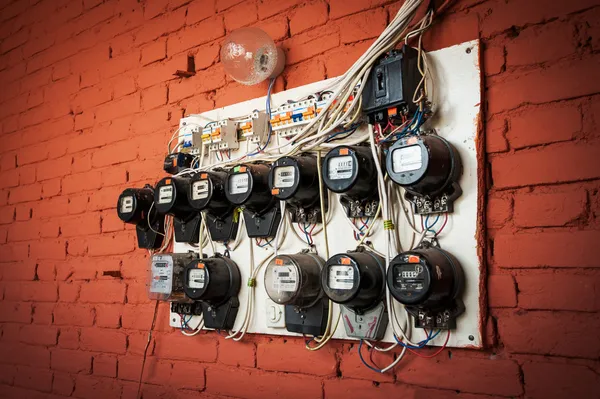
456 100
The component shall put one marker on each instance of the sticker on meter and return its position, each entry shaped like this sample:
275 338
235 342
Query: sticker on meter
406 159
340 167
284 176
239 183
341 277
200 190
285 279
165 194
197 278
162 275
127 204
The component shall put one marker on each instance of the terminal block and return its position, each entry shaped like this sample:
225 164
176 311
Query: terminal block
221 135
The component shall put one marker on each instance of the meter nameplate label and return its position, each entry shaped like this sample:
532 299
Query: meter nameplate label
341 277
406 159
285 279
340 167
161 275
239 183
409 278
197 278
127 204
284 176
200 190
165 194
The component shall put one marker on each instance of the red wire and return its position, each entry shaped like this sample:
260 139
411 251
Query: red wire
371 352
436 352
443 225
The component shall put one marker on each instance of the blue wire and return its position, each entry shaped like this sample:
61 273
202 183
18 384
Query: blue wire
350 130
268 112
363 360
421 344
428 227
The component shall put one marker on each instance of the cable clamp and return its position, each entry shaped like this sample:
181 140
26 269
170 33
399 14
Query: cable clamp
251 282
388 225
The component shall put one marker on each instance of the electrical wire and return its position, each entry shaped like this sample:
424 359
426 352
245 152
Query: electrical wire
139 390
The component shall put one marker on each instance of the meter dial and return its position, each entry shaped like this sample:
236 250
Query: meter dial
354 279
425 277
248 185
171 196
295 179
294 279
213 280
207 192
350 170
423 164
134 203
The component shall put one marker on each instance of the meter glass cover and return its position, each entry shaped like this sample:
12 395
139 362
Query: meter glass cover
340 167
239 183
284 176
127 204
196 278
162 275
200 189
341 277
406 159
285 279
165 194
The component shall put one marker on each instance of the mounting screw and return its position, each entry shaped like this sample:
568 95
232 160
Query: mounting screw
471 338
468 50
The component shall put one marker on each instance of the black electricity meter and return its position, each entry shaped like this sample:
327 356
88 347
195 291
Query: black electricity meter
248 186
296 181
356 280
207 194
295 281
351 172
429 282
171 197
215 282
428 167
134 207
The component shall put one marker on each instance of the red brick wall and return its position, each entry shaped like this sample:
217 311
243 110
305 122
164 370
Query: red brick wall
88 102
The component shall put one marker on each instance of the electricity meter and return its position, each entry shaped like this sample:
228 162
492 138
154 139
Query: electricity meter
133 206
171 197
429 282
216 283
294 281
166 276
296 181
248 185
207 193
351 171
428 167
356 280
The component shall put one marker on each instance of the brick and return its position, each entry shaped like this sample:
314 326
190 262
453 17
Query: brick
38 335
116 244
187 375
91 97
7 374
68 338
115 154
73 315
7 215
123 85
46 271
68 291
520 333
293 357
540 165
502 291
118 108
154 97
308 44
23 231
105 365
103 340
18 271
108 316
166 23
577 292
43 313
24 212
85 224
48 249
28 377
199 11
113 177
14 251
32 291
206 31
546 380
352 367
237 353
268 8
20 194
546 249
103 292
276 27
111 222
235 382
81 182
176 347
549 209
52 207
154 51
558 81
63 384
27 175
92 387
16 312
26 355
304 73
499 211
362 26
9 178
544 125
242 15
79 204
494 58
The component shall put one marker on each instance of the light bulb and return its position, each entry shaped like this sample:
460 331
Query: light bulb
250 56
